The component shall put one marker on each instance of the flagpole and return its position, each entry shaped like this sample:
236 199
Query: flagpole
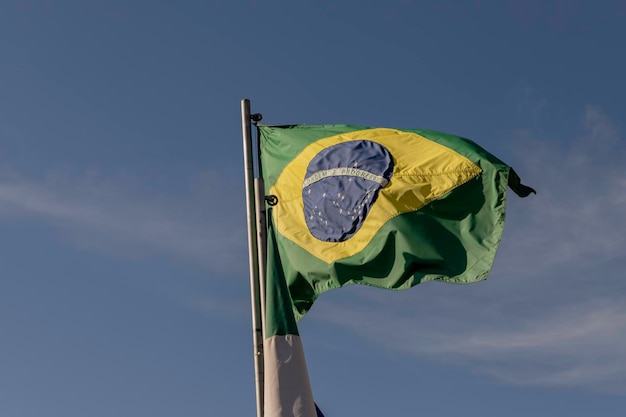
259 190
253 254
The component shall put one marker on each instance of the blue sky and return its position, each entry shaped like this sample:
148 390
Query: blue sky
124 287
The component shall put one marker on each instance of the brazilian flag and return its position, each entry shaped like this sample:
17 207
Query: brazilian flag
389 208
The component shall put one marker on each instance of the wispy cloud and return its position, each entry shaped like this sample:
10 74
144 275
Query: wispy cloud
579 215
202 222
580 346
554 310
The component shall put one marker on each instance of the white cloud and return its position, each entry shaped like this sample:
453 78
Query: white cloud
204 223
582 345
578 215
575 346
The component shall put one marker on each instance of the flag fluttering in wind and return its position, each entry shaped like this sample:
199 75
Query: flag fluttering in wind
389 208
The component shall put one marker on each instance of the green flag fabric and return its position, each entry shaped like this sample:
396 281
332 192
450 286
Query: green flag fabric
287 390
388 208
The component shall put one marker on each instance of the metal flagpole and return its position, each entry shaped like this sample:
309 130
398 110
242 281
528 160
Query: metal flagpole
253 253
259 189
